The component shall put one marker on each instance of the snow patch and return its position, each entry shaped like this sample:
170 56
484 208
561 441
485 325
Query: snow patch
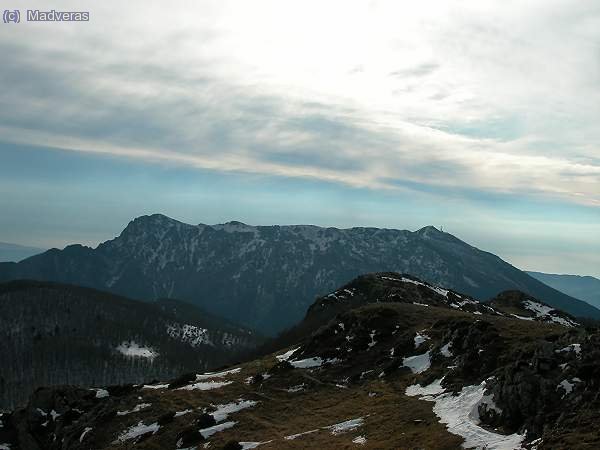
285 356
223 411
291 437
347 425
137 408
418 363
360 440
567 386
136 431
101 393
445 350
547 313
189 334
155 386
310 363
431 389
205 385
571 348
420 338
207 432
209 375
132 349
297 388
461 416
250 445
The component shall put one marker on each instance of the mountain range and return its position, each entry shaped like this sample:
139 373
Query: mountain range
585 288
55 334
384 361
14 252
266 276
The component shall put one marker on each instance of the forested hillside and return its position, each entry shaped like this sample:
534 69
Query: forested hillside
54 334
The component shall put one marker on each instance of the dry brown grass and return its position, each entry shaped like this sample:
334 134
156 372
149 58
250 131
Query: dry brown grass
392 420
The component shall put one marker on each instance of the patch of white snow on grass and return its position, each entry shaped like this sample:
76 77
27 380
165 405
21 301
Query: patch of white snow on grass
155 386
420 338
360 440
137 408
291 437
250 445
431 389
546 312
567 386
207 432
209 375
310 363
523 317
285 356
101 393
132 349
205 385
347 425
223 411
307 363
137 430
445 350
418 363
571 348
297 388
461 416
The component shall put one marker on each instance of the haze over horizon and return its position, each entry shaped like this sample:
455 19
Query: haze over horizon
476 116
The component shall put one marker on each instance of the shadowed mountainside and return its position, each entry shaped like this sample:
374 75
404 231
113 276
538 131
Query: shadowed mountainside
266 276
55 334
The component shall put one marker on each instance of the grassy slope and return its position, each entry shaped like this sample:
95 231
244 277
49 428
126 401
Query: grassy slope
394 420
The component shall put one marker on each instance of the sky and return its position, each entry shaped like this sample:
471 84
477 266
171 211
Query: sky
477 116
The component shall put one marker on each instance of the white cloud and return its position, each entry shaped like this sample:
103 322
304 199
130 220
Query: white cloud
500 97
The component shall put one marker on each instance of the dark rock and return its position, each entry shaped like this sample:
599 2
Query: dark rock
182 380
120 390
205 421
166 418
188 437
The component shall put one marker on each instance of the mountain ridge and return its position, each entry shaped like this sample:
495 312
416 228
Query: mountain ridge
266 276
583 287
15 252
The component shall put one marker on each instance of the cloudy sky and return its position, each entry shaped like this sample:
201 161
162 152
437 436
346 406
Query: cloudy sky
478 116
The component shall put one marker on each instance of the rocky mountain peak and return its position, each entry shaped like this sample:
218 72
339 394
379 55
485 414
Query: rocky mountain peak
269 275
430 232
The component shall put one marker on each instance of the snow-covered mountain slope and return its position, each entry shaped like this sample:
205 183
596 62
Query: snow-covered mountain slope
59 334
266 276
400 364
